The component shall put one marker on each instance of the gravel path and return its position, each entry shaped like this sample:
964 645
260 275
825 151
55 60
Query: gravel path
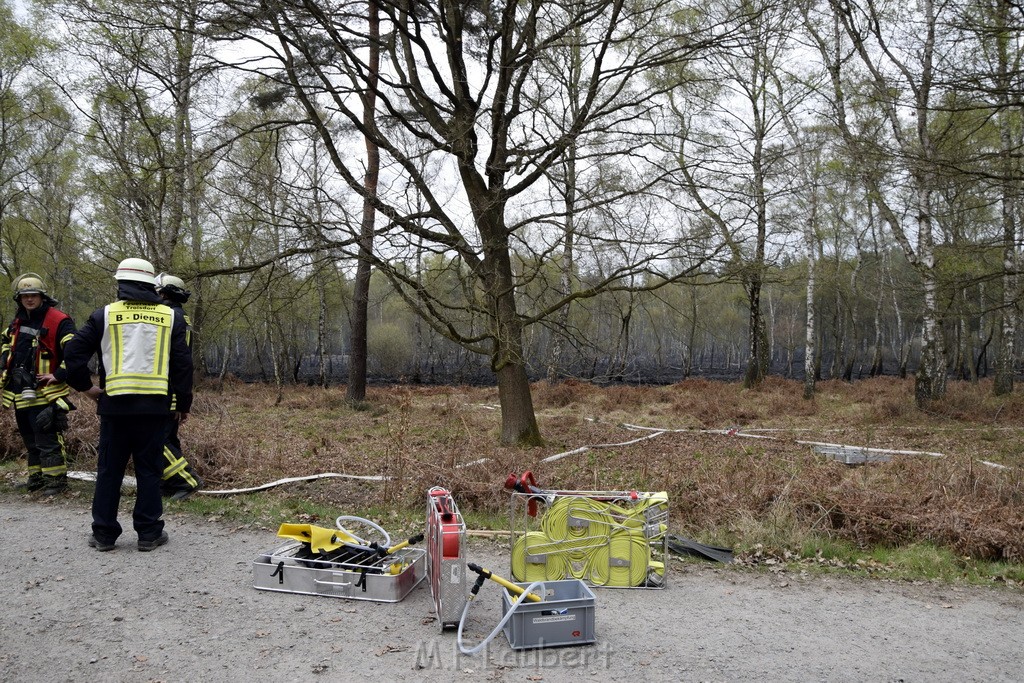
188 611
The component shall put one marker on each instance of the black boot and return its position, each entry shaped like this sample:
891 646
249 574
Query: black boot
55 486
184 491
34 482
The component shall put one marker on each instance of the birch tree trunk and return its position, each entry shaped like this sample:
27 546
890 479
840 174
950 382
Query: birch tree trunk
1009 205
888 71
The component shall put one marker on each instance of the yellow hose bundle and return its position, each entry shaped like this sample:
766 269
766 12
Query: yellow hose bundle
536 543
631 519
655 512
577 540
577 569
602 542
622 562
652 500
646 516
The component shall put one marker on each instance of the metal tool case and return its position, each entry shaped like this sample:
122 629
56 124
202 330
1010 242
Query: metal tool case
446 557
346 573
614 539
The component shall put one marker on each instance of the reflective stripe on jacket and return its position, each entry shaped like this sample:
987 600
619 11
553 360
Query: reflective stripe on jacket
135 348
188 341
46 350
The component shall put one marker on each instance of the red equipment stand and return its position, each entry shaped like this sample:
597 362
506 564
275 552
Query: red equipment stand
446 559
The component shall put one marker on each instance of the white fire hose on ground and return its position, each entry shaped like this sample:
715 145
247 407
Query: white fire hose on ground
523 595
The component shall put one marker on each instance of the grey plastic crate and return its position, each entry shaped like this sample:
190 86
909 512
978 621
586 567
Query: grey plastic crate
565 617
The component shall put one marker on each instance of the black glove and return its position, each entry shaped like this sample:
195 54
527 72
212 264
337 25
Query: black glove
52 419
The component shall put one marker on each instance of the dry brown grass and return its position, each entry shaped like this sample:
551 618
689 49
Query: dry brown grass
738 488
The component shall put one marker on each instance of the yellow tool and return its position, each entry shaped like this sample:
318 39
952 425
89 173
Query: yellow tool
319 538
398 546
512 588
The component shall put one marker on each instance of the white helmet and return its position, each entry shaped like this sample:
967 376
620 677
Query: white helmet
172 287
29 283
137 270
167 280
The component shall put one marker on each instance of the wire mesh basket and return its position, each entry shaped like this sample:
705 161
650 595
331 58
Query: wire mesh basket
611 539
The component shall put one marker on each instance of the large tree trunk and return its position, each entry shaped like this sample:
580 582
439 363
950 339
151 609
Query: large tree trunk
930 381
1003 382
358 321
518 421
321 333
189 174
356 389
757 363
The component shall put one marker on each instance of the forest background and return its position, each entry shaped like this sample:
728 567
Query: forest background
496 193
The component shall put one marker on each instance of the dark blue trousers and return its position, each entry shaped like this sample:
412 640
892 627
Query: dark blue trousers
178 473
141 439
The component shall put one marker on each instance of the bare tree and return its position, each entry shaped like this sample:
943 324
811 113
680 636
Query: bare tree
356 389
895 47
731 154
460 92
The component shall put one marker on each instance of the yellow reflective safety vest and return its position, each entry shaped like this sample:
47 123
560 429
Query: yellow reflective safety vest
136 348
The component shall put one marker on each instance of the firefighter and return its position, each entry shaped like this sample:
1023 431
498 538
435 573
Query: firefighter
31 355
144 360
179 481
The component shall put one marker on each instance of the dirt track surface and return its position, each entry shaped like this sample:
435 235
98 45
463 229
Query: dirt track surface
188 611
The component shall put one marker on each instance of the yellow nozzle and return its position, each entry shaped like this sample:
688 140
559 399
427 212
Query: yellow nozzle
513 588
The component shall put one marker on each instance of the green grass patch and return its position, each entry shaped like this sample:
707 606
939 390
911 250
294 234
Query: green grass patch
913 562
485 520
925 561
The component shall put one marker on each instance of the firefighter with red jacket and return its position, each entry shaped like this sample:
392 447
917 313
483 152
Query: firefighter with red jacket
32 376
144 360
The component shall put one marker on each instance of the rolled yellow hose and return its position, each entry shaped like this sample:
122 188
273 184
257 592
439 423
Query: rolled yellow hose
577 541
533 543
630 547
605 543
